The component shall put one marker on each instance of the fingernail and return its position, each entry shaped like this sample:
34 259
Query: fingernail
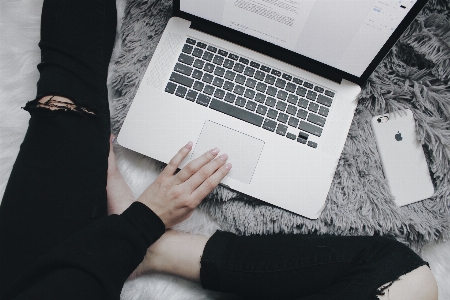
114 140
189 145
215 151
223 156
228 166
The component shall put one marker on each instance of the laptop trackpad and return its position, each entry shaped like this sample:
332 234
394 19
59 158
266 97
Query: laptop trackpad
243 150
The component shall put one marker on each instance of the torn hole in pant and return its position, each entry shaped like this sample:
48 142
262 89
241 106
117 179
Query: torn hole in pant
53 105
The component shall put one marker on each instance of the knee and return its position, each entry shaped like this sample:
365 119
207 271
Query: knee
59 103
419 284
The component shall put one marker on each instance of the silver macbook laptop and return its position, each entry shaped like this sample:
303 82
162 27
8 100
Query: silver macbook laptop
272 83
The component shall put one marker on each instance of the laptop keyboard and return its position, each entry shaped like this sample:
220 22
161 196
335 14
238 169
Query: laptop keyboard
250 91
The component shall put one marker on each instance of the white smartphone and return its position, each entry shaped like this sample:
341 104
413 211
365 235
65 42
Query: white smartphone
402 157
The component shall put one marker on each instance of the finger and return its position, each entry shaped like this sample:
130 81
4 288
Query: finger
210 183
206 171
195 165
173 164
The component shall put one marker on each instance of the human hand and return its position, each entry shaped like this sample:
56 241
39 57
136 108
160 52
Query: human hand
173 197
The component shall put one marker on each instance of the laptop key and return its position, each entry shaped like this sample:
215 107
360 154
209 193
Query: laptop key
276 73
203 100
197 74
191 41
199 64
308 85
251 106
209 67
290 87
261 87
240 79
292 99
218 81
237 112
270 79
181 91
319 89
212 49
228 63
238 89
254 64
261 109
303 135
201 45
207 78
315 119
191 95
313 129
293 121
281 106
198 86
311 95
184 58
240 101
303 103
271 101
244 60
209 90
197 52
273 114
183 69
282 117
208 56
301 113
181 79
280 83
329 94
249 71
301 91
290 136
265 69
230 75
287 77
228 86
300 140
219 94
170 87
218 60
292 110
249 94
297 80
260 97
272 91
314 107
219 71
312 144
260 75
230 97
282 95
238 67
233 56
281 129
222 52
187 48
324 100
250 83
269 125
323 111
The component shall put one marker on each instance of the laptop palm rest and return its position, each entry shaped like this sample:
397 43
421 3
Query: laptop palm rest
243 150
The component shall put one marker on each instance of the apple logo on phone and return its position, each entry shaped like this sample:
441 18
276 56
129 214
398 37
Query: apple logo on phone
398 136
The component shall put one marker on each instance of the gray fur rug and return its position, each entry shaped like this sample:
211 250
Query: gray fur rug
414 75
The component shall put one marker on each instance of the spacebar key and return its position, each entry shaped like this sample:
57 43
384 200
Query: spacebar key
236 112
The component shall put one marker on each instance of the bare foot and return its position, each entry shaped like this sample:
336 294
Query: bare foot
118 192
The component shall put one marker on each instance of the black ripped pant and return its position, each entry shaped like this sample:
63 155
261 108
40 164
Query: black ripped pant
58 185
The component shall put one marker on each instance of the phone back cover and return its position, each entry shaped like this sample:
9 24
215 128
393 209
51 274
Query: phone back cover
402 158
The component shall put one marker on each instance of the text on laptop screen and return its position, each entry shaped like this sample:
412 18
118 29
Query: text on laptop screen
345 34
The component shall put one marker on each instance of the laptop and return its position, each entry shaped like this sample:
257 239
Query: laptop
272 83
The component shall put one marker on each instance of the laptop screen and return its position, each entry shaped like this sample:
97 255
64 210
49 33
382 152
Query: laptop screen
344 34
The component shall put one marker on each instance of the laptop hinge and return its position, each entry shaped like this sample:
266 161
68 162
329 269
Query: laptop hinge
269 49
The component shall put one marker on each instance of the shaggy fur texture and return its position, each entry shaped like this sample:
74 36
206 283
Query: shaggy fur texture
415 75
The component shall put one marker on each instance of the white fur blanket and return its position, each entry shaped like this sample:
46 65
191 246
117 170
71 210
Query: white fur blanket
19 55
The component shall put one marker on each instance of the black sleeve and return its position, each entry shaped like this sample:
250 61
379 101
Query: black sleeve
95 262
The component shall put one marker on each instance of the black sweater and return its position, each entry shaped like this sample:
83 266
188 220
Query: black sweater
95 262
